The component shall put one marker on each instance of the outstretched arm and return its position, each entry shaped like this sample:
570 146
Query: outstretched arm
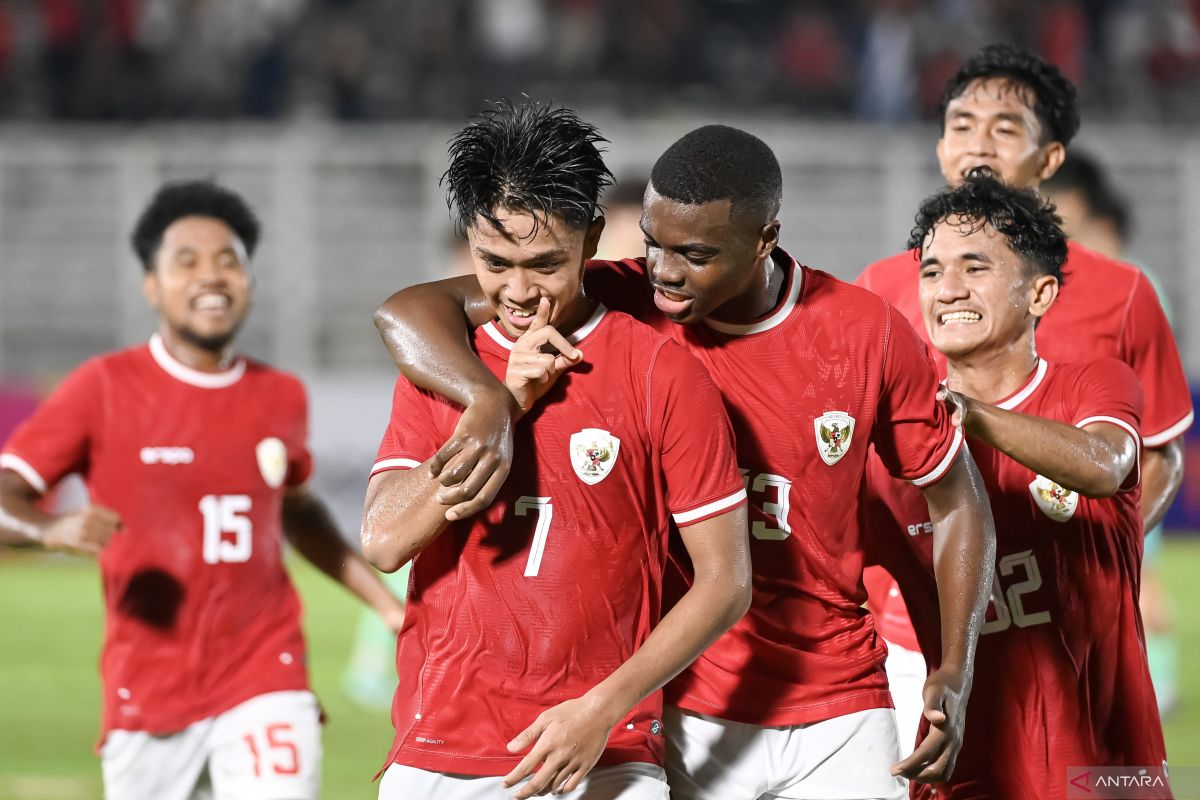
426 330
569 738
1093 460
23 523
311 530
964 552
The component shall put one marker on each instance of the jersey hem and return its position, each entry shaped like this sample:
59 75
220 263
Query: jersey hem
795 715
25 470
939 472
1170 434
709 510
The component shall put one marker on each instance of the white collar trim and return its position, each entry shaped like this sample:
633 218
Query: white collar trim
1029 388
194 377
579 334
796 277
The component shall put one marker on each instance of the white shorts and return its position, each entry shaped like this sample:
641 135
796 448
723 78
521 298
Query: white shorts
906 677
632 781
267 748
844 758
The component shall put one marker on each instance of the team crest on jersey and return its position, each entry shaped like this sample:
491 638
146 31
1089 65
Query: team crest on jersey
834 429
1055 502
593 454
272 461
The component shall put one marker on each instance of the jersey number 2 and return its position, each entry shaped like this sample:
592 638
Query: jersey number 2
227 530
1013 612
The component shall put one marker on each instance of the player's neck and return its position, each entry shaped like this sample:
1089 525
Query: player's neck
193 355
578 314
761 296
994 374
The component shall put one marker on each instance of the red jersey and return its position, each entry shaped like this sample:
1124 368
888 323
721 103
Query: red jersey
1106 309
1061 678
199 612
809 387
543 595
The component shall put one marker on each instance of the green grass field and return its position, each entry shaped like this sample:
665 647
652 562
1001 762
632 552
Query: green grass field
50 626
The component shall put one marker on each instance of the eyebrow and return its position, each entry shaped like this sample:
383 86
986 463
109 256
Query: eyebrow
549 255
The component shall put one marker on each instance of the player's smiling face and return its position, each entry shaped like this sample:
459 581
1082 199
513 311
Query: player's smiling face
992 125
701 258
976 293
200 284
521 262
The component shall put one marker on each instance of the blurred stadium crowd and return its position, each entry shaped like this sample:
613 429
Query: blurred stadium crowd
879 60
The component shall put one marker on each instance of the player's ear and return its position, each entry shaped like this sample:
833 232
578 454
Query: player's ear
1043 293
1052 158
591 241
768 238
151 289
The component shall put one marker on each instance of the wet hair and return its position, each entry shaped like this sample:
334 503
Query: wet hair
1055 101
1029 223
528 157
191 198
717 162
1082 173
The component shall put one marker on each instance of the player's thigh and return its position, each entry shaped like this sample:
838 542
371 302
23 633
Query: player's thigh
844 758
622 782
268 748
906 674
633 781
140 766
714 759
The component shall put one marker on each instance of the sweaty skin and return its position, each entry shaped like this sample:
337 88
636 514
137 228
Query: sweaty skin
704 261
992 125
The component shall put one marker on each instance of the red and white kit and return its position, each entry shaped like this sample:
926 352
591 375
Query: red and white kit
543 595
200 615
809 388
1061 678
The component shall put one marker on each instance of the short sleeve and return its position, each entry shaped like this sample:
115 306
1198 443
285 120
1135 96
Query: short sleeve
412 433
1107 390
58 438
300 460
1148 346
620 285
694 436
913 434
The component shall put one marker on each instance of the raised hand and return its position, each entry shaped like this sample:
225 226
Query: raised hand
531 372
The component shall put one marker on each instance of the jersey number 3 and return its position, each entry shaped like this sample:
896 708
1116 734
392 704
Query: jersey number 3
227 530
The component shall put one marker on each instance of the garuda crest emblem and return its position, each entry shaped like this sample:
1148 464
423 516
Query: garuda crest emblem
834 430
1057 503
593 454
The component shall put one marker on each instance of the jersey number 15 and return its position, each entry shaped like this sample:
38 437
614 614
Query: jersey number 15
227 528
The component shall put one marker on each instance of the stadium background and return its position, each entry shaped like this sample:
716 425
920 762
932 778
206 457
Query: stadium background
331 116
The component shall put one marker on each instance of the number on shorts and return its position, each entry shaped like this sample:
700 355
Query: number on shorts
545 513
285 757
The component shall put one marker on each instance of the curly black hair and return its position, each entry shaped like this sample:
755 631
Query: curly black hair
1056 102
191 198
525 157
718 162
1029 223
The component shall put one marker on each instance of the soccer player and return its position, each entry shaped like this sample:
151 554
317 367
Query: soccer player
793 701
196 461
1012 114
534 624
1061 678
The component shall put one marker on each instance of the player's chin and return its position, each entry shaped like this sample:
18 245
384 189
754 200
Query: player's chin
210 336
